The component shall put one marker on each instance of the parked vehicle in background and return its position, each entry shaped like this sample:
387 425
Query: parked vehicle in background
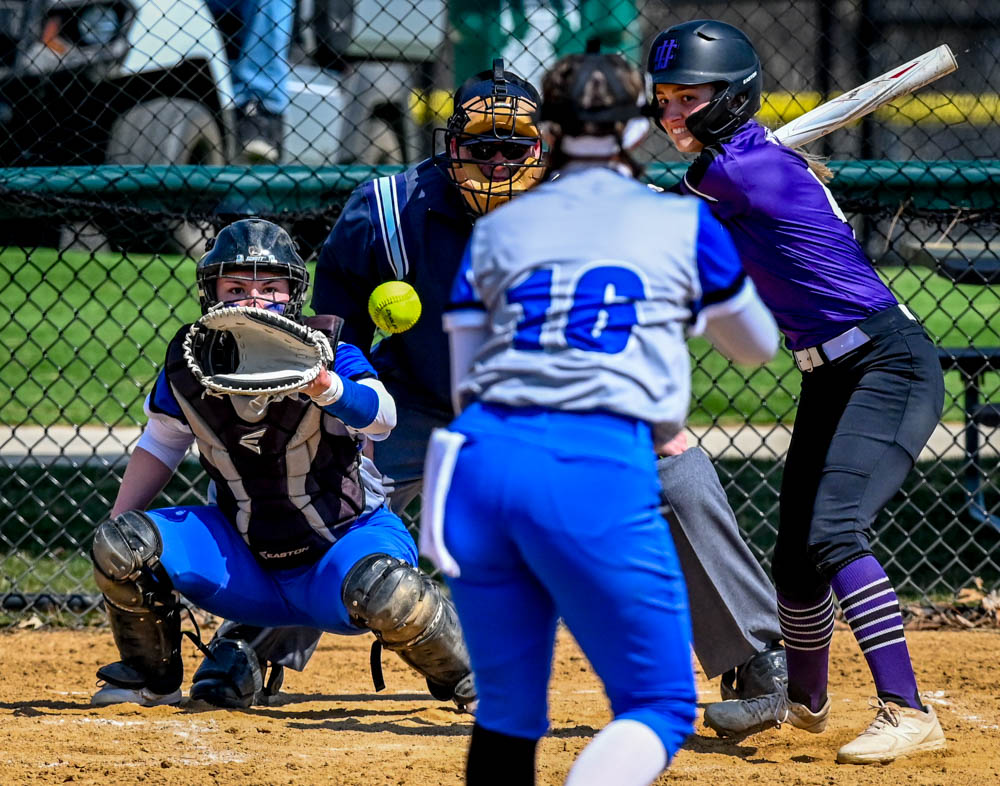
89 82
362 62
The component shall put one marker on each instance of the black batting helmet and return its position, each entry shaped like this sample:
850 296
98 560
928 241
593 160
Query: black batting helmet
253 246
709 52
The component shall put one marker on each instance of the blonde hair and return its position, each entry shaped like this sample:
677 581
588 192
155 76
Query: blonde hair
816 163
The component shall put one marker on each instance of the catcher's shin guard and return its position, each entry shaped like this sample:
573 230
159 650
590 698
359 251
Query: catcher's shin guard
143 612
409 615
230 676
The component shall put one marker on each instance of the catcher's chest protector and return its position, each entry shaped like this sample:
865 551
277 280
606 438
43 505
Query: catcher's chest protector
288 479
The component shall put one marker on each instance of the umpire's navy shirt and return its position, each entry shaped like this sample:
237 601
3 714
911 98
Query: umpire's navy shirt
435 227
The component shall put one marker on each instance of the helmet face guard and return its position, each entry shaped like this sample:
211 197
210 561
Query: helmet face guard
491 148
253 249
709 52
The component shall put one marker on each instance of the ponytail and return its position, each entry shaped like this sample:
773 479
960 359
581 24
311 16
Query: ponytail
816 163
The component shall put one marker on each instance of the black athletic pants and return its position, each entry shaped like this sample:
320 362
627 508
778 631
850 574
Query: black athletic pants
862 421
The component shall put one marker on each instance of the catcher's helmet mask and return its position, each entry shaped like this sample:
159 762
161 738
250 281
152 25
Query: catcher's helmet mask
709 52
494 112
253 250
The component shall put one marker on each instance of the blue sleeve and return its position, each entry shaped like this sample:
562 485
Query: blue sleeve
347 271
720 271
162 399
357 406
351 363
464 294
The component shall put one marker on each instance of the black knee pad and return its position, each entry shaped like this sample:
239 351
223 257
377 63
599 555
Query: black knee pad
142 609
231 677
125 544
149 642
389 597
125 550
410 615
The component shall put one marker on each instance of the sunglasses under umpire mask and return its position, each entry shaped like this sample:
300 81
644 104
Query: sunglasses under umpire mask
509 149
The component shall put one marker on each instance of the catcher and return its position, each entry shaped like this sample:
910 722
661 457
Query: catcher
298 532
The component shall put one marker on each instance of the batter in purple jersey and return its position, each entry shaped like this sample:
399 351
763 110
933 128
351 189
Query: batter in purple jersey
872 389
793 239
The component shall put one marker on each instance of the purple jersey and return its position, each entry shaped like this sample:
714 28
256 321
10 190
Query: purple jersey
791 235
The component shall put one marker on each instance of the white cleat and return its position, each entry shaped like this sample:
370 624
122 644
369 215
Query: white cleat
895 732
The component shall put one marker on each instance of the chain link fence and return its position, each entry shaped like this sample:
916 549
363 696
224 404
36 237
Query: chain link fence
130 130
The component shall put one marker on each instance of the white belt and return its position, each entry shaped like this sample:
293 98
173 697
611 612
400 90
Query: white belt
838 346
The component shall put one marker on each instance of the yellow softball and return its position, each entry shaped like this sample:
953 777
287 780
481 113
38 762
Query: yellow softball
394 306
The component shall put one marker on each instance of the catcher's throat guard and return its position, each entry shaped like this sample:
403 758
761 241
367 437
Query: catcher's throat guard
249 351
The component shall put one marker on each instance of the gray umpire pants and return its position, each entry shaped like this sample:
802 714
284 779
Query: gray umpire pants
733 608
734 613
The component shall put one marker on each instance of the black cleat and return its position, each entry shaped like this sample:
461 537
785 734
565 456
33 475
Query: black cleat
231 677
765 673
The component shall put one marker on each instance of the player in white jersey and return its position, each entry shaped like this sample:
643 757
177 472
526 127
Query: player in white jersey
567 332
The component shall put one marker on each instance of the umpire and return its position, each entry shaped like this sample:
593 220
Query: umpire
414 226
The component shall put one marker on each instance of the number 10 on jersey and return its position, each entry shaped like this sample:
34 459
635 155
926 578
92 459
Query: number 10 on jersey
600 318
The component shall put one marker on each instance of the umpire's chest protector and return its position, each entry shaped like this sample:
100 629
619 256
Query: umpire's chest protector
288 478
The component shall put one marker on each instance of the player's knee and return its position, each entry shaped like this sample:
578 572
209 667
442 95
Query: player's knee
125 544
390 597
123 547
828 554
786 568
409 615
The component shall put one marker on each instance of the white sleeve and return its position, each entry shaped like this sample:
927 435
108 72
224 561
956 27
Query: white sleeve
385 420
467 331
741 328
166 438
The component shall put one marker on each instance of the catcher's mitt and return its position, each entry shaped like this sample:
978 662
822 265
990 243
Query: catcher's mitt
249 351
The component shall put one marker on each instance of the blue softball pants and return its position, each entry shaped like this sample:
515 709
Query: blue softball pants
554 514
211 565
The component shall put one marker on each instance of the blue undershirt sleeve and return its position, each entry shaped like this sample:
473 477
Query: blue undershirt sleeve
162 400
720 271
357 406
464 295
351 363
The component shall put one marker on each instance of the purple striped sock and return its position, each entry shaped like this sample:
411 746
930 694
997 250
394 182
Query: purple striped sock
807 629
871 608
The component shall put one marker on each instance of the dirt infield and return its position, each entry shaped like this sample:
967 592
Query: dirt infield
330 727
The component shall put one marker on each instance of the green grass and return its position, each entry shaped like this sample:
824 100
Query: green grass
86 332
57 572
